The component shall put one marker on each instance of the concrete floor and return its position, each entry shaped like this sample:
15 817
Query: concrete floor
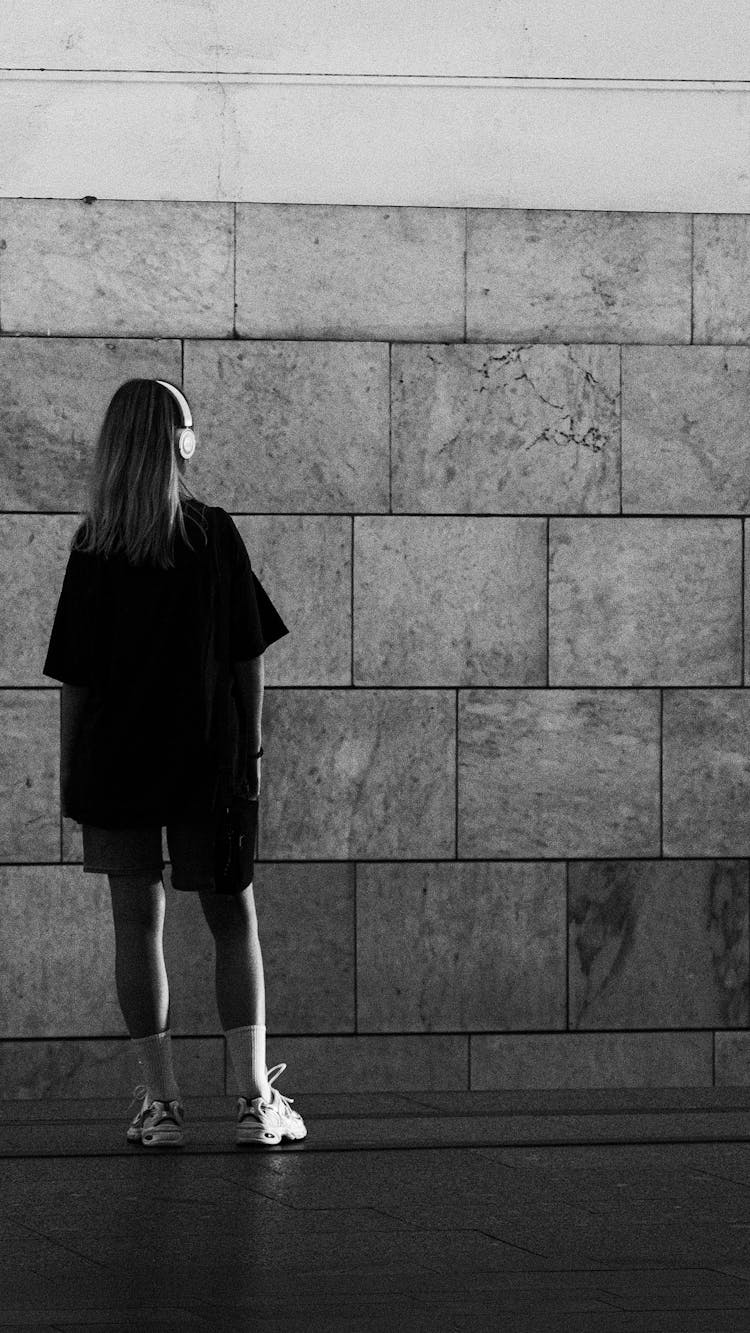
607 1210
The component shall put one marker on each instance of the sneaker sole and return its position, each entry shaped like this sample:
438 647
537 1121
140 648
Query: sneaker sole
175 1140
260 1137
167 1136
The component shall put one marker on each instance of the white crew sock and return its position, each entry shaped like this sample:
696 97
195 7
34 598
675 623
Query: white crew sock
155 1059
247 1048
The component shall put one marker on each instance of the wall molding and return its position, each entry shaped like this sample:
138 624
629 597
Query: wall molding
425 142
373 80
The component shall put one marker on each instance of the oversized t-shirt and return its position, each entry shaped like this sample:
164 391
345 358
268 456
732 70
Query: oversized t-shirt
155 647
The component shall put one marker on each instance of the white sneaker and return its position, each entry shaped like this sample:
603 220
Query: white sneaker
267 1122
157 1124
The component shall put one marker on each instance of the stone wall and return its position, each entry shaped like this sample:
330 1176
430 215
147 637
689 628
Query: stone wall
492 466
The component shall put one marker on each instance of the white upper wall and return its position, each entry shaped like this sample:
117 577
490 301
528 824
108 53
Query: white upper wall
585 104
576 39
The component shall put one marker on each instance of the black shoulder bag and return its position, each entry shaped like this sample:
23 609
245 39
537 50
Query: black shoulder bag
235 812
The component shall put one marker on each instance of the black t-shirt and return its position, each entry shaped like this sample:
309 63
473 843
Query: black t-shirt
155 647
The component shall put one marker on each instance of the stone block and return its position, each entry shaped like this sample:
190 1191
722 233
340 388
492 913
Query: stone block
462 946
332 271
57 954
658 944
53 396
135 267
558 773
358 773
505 429
746 605
592 1060
290 425
305 564
421 1063
721 278
450 601
306 929
72 841
30 776
34 551
684 431
645 601
82 1068
706 773
732 1059
555 275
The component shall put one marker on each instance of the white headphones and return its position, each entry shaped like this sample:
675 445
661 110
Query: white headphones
186 437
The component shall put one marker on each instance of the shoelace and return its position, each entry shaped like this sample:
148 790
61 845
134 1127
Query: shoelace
138 1095
278 1100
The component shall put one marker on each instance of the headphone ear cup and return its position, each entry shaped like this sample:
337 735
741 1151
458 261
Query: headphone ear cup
186 442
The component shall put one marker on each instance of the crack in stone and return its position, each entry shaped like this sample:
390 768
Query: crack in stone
611 398
561 434
592 439
514 355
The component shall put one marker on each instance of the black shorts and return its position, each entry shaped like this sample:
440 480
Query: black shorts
123 851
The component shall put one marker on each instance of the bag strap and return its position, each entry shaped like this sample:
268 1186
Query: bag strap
223 684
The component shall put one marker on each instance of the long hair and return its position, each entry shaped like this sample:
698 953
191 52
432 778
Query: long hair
137 484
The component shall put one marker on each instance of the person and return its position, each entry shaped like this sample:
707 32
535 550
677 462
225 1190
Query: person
160 620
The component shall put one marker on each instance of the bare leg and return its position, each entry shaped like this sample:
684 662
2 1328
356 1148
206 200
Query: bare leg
240 983
138 909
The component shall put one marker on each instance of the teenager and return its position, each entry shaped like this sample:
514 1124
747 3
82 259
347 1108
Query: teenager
158 642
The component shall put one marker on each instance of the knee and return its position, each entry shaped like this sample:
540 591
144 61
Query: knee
137 902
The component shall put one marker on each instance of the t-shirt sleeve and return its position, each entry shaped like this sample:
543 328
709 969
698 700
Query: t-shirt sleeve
69 656
254 622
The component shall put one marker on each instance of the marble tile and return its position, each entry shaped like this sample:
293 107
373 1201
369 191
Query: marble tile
306 929
305 564
558 773
592 1060
462 946
684 439
505 429
34 551
333 271
658 944
290 426
79 1068
746 604
72 841
30 776
555 275
450 601
706 773
645 601
721 278
53 395
732 1059
57 954
189 959
358 773
138 267
424 1062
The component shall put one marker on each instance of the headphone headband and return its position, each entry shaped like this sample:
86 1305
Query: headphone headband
186 437
187 419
